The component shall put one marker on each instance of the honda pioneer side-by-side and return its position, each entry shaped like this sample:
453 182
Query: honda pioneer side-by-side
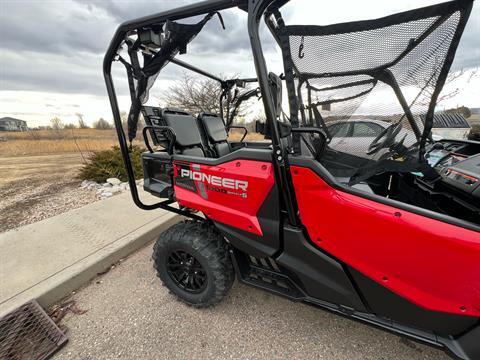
349 204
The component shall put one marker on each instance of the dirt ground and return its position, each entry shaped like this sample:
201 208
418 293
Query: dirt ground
33 188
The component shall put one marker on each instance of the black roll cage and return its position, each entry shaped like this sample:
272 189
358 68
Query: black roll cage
255 9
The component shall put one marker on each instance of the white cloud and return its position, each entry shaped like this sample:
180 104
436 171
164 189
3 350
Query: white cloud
38 108
53 50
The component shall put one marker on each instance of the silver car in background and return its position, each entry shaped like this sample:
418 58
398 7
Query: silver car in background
355 136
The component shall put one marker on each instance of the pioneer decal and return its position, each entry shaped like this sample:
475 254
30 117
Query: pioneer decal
213 180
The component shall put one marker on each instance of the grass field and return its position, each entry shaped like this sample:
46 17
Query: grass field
474 119
36 142
40 142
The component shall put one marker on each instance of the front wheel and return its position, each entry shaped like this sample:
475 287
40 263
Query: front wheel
192 260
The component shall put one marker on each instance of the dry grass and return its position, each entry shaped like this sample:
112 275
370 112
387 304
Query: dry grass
474 119
55 141
236 135
59 134
39 142
38 147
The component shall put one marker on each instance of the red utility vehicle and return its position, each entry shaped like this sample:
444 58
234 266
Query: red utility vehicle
390 238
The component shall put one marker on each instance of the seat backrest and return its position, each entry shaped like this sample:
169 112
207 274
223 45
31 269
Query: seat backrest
275 84
188 136
216 133
312 145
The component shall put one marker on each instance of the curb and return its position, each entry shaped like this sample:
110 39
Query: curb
63 283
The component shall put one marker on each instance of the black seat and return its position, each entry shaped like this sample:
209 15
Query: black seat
275 84
188 136
312 145
216 133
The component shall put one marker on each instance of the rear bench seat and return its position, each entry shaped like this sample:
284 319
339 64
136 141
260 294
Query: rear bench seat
204 136
216 133
188 136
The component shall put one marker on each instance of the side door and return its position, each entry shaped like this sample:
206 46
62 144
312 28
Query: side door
410 267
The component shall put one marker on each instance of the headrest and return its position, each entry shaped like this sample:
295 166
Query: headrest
276 87
214 127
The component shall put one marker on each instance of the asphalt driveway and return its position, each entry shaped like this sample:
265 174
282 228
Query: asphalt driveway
130 315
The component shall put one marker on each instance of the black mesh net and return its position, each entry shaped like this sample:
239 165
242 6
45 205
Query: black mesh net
156 54
371 85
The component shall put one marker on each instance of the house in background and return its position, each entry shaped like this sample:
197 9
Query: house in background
450 126
12 124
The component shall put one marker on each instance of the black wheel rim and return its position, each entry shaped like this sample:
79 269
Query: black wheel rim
186 271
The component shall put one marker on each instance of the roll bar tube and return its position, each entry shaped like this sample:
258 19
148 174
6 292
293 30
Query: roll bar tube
200 8
256 9
195 69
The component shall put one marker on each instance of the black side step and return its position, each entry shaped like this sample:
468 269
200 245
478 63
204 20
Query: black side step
264 273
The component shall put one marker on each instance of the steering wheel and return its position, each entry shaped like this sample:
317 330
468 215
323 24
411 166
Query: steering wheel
388 135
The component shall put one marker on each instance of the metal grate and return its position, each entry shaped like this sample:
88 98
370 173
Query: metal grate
28 333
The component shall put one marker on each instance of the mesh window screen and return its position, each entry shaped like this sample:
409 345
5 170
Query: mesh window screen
379 78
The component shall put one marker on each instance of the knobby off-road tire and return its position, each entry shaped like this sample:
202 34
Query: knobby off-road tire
204 250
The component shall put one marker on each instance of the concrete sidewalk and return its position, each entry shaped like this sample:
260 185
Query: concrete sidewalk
49 259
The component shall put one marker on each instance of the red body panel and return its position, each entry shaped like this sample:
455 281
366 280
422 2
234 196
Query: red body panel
235 207
433 264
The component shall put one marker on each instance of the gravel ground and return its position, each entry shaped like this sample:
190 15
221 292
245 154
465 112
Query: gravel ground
33 188
130 315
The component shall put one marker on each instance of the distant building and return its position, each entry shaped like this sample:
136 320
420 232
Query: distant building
11 124
450 126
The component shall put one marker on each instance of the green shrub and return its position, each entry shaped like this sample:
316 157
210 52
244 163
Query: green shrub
105 164
475 132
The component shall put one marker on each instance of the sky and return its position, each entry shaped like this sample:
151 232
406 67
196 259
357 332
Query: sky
51 51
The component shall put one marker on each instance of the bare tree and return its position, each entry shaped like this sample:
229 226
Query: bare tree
81 122
428 82
198 95
56 123
102 124
194 95
465 111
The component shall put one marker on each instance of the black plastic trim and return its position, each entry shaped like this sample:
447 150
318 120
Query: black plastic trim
321 276
269 219
246 242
